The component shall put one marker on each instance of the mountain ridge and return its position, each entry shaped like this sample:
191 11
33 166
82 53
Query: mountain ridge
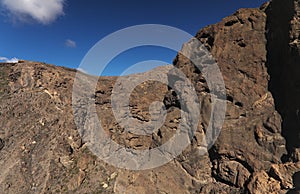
256 151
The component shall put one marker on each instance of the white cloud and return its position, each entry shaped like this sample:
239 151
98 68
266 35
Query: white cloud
7 60
43 11
70 43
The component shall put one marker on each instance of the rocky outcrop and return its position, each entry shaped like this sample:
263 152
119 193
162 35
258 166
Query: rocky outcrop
283 61
257 150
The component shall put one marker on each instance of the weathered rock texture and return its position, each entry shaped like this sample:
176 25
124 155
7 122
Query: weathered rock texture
257 151
283 64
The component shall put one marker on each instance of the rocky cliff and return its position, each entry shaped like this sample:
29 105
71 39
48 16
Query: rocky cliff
257 150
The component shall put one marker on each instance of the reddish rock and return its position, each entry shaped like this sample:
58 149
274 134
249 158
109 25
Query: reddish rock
257 151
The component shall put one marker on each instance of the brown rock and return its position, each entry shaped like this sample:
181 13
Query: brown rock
284 173
232 172
261 183
257 51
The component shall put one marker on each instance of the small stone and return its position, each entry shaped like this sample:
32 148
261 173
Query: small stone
104 185
65 160
7 185
113 175
81 177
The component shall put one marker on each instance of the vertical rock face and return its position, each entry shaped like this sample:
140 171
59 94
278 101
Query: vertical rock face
250 140
283 30
257 51
257 151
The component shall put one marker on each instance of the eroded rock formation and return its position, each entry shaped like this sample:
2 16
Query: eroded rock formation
257 151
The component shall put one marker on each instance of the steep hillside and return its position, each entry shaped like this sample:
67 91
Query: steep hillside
257 150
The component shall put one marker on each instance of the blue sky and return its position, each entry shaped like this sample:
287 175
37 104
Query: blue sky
61 32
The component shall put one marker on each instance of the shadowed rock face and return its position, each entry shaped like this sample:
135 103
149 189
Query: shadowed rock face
283 64
257 151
